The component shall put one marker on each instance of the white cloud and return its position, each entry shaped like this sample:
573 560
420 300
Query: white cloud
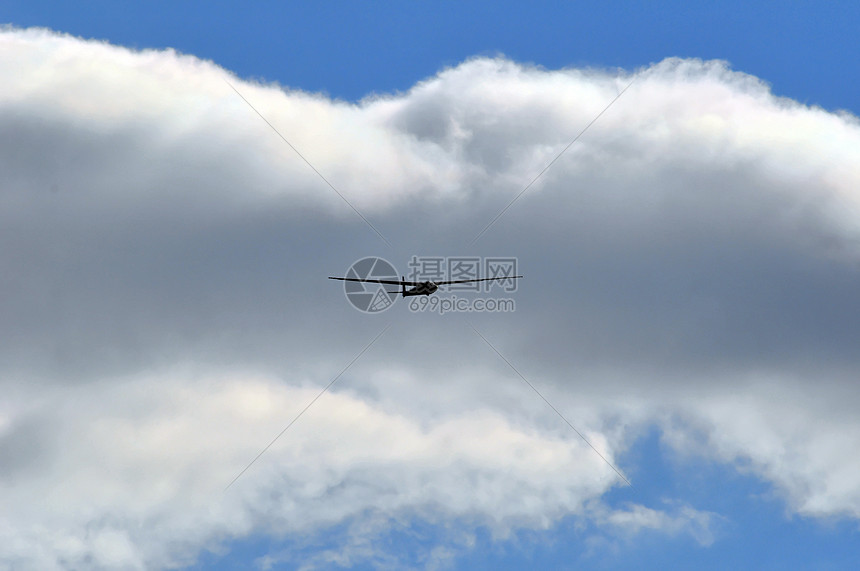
165 312
797 439
685 519
159 452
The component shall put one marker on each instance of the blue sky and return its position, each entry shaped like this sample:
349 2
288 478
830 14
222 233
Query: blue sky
349 49
759 533
806 51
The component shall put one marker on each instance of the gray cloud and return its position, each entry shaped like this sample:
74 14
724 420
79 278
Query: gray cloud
165 311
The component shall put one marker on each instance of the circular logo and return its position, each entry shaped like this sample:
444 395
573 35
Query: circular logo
371 297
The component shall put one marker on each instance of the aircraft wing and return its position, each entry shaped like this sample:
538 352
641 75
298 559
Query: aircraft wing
391 282
398 282
479 280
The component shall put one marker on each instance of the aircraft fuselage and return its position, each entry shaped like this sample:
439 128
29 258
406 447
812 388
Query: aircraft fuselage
424 288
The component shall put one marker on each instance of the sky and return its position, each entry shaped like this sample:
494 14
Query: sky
689 310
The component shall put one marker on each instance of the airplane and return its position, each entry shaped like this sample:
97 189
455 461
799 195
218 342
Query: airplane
420 288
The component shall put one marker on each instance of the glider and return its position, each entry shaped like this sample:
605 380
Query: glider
420 288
